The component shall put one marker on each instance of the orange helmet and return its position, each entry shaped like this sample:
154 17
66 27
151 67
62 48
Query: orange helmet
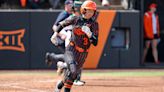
88 4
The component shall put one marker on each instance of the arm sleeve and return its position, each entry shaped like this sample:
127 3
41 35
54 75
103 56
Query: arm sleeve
68 21
158 25
63 15
95 32
146 28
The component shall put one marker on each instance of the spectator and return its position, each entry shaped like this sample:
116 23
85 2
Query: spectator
124 3
23 3
151 32
128 4
131 4
10 4
66 13
34 4
105 3
1 2
54 3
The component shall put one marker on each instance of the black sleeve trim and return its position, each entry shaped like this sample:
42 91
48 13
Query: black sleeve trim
94 40
59 28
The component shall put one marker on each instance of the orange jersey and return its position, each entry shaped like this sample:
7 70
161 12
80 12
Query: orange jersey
148 25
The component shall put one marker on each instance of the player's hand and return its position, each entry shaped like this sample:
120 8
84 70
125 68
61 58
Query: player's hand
54 39
62 36
54 28
87 30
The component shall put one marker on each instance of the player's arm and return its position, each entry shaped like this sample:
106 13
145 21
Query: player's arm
68 21
91 32
60 18
95 32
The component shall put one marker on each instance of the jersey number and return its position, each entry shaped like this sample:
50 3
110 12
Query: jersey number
85 41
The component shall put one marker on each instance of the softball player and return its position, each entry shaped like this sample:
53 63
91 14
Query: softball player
84 33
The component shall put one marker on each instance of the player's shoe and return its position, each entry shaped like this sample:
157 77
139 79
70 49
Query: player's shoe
56 88
79 83
48 59
60 67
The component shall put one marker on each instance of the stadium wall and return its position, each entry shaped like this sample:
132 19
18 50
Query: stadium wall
25 38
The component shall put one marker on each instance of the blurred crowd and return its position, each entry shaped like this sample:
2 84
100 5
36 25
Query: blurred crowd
26 4
58 4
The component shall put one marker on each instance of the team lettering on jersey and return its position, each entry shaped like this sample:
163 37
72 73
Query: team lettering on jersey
81 39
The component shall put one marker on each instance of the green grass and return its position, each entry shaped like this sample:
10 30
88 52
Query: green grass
89 73
126 74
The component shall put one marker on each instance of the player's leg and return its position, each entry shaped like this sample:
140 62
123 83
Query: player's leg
59 58
78 81
69 77
52 57
80 58
146 47
69 74
60 83
68 82
61 66
59 86
155 51
73 71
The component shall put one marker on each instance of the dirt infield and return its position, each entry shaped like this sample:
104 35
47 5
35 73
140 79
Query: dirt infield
44 81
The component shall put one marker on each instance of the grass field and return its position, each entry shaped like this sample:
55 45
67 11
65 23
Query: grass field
112 80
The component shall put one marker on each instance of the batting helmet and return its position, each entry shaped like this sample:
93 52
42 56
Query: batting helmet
89 4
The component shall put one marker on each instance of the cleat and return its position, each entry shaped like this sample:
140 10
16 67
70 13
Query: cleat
48 60
60 67
79 83
56 88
